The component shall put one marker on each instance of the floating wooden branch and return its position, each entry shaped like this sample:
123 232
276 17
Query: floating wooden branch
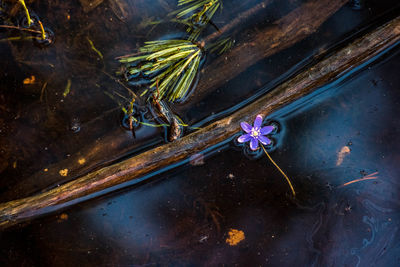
160 157
283 33
237 21
269 41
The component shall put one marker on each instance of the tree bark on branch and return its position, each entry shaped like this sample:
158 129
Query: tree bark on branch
282 34
327 70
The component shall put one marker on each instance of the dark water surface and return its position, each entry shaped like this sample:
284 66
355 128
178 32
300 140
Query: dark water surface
43 132
184 217
346 131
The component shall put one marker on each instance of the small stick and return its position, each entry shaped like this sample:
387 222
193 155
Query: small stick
368 177
19 28
42 91
42 30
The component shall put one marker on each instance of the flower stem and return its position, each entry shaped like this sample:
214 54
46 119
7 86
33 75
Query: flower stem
276 165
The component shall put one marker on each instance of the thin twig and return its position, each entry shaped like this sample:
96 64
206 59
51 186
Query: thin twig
42 30
42 91
368 177
19 28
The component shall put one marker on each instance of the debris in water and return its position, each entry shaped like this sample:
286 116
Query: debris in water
368 177
89 5
342 153
75 125
63 172
235 237
94 48
62 217
203 238
67 88
30 80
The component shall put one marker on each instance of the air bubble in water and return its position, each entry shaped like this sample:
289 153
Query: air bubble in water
75 125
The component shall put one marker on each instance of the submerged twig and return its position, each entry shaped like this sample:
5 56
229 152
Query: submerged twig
336 65
43 33
20 38
42 91
368 177
94 48
19 28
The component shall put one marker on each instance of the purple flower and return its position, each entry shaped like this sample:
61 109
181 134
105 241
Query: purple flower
255 133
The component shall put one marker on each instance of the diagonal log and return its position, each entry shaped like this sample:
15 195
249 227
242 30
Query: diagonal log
115 139
283 33
327 70
239 19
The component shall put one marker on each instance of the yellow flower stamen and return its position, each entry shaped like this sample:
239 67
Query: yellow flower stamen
255 133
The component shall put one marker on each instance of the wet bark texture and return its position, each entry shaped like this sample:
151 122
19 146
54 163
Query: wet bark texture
284 33
327 70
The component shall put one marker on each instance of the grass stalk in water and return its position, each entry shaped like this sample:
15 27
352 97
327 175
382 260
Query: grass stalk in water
28 16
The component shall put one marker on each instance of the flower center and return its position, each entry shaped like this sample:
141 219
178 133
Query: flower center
255 133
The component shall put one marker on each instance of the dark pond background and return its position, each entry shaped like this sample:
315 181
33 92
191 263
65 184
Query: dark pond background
184 216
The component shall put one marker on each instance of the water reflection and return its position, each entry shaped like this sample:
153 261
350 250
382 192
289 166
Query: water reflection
41 129
185 216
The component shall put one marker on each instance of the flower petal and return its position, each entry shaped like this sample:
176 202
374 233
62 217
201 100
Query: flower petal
253 143
264 140
258 121
246 127
244 138
266 130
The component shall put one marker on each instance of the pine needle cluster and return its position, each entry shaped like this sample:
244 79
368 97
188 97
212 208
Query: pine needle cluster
172 65
196 14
